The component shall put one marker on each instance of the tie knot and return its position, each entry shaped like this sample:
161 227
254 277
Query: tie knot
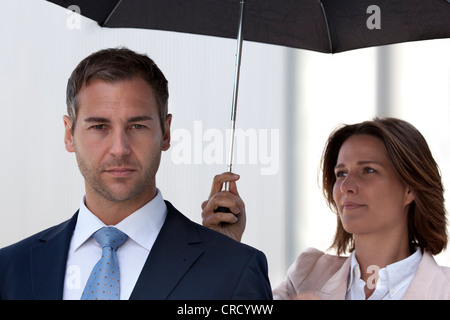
110 237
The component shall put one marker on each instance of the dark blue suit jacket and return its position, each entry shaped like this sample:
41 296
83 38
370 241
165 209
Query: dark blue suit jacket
187 261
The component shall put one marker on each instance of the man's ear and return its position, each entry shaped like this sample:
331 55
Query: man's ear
68 136
166 138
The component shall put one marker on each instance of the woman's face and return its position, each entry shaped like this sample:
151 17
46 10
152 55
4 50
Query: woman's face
368 193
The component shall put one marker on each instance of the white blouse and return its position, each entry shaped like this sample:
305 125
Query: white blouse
392 283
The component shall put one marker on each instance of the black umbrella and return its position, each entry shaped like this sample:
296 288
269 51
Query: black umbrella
321 25
328 26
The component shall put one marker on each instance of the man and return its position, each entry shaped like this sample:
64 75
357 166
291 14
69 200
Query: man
125 241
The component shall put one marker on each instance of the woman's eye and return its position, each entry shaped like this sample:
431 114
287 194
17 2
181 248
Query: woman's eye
369 170
341 174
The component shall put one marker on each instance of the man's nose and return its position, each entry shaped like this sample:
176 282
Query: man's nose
120 144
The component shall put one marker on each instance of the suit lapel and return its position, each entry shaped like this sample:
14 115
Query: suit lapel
420 286
171 256
48 261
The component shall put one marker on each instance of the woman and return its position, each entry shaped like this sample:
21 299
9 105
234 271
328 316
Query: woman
381 180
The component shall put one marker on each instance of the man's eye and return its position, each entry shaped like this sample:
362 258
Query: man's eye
99 126
137 126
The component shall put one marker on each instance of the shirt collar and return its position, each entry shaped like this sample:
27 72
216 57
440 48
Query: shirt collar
142 226
393 277
355 273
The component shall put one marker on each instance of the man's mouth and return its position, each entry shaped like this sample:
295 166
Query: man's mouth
120 171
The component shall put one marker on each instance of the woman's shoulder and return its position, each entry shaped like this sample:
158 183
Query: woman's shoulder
310 271
317 260
431 281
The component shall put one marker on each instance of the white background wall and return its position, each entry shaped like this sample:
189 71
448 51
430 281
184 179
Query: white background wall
296 95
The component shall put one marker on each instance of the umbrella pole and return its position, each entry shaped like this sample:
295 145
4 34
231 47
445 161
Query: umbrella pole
235 98
235 92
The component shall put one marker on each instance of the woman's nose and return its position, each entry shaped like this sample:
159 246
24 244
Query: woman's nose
349 185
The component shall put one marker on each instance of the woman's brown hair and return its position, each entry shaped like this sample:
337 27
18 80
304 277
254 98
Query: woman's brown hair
414 164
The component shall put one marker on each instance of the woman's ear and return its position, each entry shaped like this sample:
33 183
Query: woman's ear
68 136
409 197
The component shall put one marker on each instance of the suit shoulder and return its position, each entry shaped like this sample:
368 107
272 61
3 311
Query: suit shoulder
312 259
243 269
446 272
24 245
218 239
310 270
444 277
212 239
445 283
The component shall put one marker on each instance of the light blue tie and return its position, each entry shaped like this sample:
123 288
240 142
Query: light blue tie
103 283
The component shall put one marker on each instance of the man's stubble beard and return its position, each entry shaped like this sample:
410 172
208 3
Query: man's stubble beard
92 176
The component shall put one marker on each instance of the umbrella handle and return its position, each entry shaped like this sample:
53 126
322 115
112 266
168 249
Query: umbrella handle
234 101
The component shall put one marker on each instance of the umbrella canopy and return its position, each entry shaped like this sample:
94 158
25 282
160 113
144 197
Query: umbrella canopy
328 26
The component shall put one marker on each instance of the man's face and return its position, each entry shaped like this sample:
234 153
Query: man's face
118 139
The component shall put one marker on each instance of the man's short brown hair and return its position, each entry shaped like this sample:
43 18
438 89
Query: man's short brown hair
114 65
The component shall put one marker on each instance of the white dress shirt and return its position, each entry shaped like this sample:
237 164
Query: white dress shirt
392 283
142 228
